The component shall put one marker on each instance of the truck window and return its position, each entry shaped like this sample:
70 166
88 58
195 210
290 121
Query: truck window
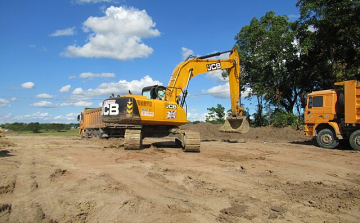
318 101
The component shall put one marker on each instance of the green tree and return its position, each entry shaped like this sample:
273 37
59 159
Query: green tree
329 37
16 126
34 127
280 118
270 61
216 115
259 118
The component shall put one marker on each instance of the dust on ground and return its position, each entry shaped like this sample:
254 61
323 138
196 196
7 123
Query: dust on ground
211 132
266 175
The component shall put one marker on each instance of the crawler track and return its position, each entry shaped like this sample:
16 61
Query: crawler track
191 141
132 140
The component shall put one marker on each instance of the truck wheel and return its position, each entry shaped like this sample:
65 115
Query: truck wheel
81 134
326 139
355 140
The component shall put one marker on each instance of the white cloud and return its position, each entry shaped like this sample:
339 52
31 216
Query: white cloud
28 85
312 28
14 99
118 88
35 116
66 88
39 114
294 16
69 116
64 32
117 35
78 90
83 98
247 92
186 52
92 75
83 104
220 91
44 96
78 104
43 104
223 91
216 75
4 103
196 117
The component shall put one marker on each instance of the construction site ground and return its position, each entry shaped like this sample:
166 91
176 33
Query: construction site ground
266 175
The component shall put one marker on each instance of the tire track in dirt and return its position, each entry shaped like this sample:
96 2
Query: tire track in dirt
98 181
24 184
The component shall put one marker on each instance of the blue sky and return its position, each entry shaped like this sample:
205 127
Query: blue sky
57 57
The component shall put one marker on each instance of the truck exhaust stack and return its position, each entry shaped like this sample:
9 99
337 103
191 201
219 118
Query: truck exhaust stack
235 124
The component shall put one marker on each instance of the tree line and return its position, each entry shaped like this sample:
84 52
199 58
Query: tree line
283 60
37 127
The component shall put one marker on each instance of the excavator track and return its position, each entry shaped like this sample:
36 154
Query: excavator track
132 139
191 141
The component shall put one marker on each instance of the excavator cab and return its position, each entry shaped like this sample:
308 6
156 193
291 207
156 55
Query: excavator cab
154 92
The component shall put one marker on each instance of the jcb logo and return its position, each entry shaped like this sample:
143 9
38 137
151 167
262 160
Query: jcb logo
170 106
213 66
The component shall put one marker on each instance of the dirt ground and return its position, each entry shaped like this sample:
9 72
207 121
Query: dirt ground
266 175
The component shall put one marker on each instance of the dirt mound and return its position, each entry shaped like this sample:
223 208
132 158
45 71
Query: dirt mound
210 132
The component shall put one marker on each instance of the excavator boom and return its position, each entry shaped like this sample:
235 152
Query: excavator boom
185 71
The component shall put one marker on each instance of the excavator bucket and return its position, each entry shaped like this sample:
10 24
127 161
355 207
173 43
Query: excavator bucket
235 124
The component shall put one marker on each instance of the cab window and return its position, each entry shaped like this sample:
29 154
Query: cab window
318 102
147 94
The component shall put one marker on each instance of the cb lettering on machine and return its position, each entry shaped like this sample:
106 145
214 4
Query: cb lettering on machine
110 109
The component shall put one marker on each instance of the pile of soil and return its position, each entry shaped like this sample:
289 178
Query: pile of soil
209 131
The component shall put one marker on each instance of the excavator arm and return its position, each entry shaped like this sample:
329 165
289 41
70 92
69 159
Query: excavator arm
186 70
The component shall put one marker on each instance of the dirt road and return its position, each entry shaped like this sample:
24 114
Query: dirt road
65 179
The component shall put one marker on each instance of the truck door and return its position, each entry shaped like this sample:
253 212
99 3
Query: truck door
315 109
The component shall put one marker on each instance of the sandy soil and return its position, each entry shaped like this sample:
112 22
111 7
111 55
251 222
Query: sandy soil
268 175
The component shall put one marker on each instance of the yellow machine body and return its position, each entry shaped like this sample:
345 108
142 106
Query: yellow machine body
159 105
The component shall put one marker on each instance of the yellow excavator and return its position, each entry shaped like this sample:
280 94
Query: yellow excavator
160 110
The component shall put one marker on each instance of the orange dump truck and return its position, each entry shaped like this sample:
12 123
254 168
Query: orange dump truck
334 115
91 125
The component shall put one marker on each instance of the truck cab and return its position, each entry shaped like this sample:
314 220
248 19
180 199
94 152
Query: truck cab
329 115
323 106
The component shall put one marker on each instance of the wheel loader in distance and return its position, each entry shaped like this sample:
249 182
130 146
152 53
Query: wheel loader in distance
333 115
160 110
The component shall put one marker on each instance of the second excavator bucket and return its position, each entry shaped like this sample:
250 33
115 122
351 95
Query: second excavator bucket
236 125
